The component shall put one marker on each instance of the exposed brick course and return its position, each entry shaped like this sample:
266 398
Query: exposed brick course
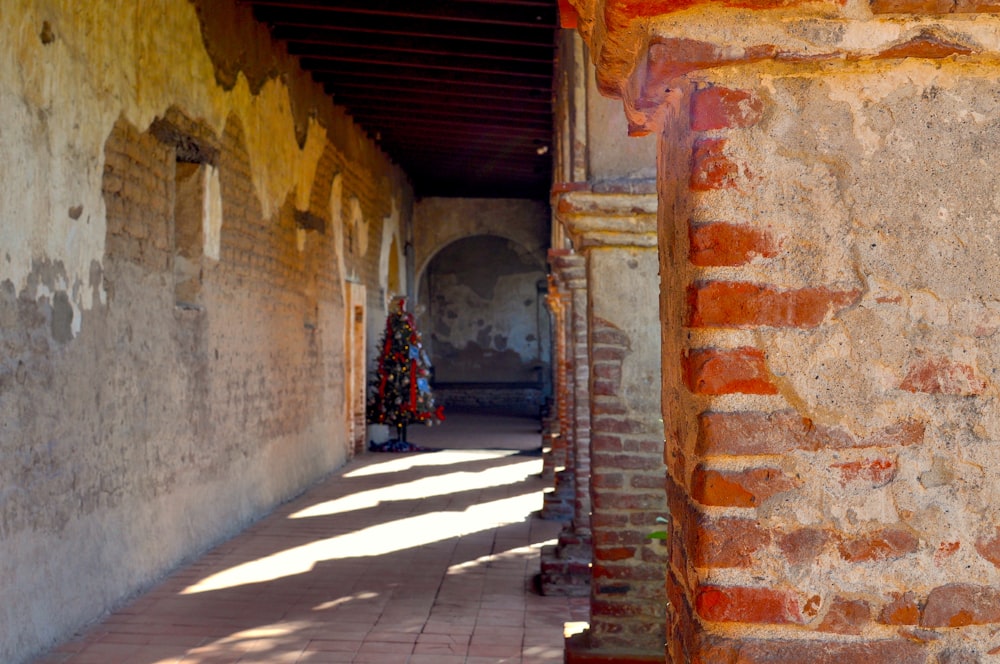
744 304
626 501
716 371
721 244
989 547
748 605
846 616
903 609
961 604
869 472
888 543
716 650
710 167
738 488
716 107
778 432
943 376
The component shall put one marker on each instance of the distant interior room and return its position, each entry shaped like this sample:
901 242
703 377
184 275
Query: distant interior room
486 327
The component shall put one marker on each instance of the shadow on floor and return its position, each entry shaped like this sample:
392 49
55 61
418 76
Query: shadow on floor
417 558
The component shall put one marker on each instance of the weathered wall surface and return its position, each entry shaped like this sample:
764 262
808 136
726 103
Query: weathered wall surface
437 222
480 263
611 155
840 360
484 310
626 449
829 306
146 412
605 207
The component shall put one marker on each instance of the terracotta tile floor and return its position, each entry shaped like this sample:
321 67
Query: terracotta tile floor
395 559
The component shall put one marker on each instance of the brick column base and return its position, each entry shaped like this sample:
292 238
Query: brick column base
580 651
558 503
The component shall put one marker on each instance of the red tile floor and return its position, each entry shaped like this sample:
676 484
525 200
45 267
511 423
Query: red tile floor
394 559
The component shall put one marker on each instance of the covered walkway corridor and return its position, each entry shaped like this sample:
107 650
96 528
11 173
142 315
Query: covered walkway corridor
395 558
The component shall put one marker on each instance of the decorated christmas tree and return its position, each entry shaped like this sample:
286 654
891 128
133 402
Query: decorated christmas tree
401 392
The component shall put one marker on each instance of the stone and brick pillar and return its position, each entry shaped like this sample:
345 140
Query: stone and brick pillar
576 280
614 226
566 275
566 565
830 314
554 442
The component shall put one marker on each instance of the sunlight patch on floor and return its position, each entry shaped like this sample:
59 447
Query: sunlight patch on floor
528 551
375 540
438 485
346 599
442 458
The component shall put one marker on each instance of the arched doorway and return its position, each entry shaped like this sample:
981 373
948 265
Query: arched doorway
485 325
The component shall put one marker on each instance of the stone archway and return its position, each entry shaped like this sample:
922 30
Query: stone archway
485 325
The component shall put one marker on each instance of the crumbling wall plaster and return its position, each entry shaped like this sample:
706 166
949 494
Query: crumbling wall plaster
848 354
484 324
479 263
438 222
610 157
54 52
136 429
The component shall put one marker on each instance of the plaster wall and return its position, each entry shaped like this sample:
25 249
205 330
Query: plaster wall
437 222
484 309
626 298
611 154
626 452
479 263
868 187
135 432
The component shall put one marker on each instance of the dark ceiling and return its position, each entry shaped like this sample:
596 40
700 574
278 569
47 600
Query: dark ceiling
457 92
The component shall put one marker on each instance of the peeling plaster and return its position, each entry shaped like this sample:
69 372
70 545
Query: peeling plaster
54 156
390 230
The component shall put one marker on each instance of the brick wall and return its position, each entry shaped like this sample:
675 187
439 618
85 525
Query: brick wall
566 565
626 482
613 225
140 422
560 462
825 376
559 418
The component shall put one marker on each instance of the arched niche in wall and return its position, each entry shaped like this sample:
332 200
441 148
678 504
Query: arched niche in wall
356 235
438 222
395 283
484 324
392 277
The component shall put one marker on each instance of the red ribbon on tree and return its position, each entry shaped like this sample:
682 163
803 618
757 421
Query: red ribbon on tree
413 386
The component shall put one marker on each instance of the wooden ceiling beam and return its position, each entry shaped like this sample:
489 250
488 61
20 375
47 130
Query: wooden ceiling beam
319 59
301 38
471 142
495 189
444 104
401 145
480 115
391 120
479 170
492 13
456 94
443 81
522 152
330 78
387 27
